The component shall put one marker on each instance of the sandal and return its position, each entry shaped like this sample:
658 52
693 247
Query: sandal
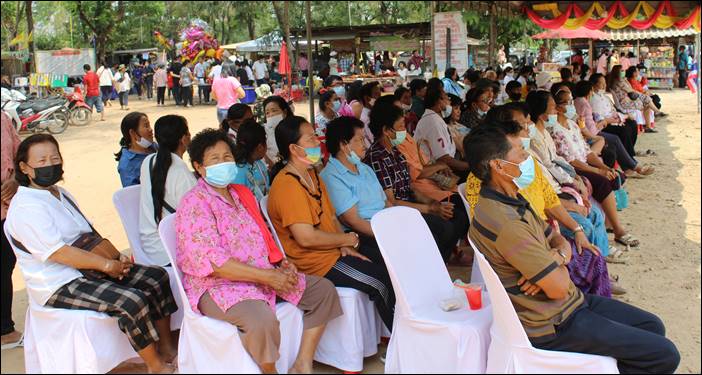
650 130
646 171
628 240
11 345
616 256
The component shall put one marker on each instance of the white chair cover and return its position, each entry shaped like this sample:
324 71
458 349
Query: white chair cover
209 345
424 337
127 202
351 337
71 341
510 349
475 276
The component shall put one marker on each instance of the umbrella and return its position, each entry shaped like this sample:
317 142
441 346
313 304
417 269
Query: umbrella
581 33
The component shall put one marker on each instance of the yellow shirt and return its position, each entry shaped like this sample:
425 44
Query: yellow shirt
539 194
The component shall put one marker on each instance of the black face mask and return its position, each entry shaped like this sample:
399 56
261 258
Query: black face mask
49 175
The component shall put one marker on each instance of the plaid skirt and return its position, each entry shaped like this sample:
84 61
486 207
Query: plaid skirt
137 301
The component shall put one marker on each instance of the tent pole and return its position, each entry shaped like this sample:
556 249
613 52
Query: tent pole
310 79
697 54
591 53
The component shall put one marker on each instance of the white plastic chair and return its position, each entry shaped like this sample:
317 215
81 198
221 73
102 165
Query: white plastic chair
475 276
510 349
426 339
71 341
351 337
209 345
127 201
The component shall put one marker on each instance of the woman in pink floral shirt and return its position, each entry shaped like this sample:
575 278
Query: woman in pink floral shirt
233 270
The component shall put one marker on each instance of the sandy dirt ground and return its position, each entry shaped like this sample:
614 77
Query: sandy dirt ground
663 275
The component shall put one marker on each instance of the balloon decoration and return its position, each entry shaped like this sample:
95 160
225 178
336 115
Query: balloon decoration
662 17
165 43
198 41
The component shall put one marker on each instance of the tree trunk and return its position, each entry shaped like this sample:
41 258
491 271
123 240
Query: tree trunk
30 29
252 27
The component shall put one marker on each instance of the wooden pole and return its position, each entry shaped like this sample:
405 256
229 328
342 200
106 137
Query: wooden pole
308 18
493 35
591 55
433 42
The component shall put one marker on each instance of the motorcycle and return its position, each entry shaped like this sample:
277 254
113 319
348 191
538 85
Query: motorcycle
50 115
80 112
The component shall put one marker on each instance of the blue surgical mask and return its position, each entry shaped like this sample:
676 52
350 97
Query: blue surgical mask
526 142
571 113
222 174
532 130
446 112
312 155
340 91
481 113
337 106
552 120
354 159
399 138
527 173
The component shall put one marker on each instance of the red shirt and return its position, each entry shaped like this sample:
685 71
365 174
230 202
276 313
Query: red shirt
636 85
91 81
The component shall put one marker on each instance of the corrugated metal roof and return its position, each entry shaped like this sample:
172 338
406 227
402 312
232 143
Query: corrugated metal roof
633 34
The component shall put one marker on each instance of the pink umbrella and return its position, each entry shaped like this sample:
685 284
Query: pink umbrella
581 33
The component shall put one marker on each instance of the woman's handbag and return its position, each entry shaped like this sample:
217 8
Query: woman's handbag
621 196
447 181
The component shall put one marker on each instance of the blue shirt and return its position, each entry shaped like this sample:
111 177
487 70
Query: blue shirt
129 167
451 87
347 189
255 177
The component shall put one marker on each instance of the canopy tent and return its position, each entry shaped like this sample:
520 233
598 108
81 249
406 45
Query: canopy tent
271 42
633 34
581 33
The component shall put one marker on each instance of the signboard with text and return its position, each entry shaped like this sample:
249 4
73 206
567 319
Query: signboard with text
393 43
452 21
66 61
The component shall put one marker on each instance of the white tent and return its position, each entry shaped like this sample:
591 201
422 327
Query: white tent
268 43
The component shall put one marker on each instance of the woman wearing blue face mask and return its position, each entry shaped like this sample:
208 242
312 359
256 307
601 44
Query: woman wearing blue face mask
304 218
476 106
249 152
137 142
329 106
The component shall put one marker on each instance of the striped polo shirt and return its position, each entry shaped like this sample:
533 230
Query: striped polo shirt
515 241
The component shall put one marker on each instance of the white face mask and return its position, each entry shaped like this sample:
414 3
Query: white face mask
273 121
145 143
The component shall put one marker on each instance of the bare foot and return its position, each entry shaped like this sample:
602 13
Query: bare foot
12 340
300 369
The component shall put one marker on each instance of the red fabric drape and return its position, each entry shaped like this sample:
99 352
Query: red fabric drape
555 23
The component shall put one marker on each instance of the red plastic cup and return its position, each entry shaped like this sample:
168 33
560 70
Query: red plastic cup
474 293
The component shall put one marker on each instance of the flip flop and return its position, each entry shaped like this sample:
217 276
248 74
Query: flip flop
12 345
628 240
616 256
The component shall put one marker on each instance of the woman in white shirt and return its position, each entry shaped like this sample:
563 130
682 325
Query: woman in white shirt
106 79
49 233
124 84
165 179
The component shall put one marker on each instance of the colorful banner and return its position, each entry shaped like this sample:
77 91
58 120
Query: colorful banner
662 17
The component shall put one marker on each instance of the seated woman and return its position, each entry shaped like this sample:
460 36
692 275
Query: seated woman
305 221
165 179
276 109
588 270
233 270
476 106
329 106
353 188
353 107
583 93
458 131
237 114
621 89
571 146
390 166
249 152
137 142
370 92
49 235
640 85
596 142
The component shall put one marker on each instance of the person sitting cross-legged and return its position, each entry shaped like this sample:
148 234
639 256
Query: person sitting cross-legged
530 259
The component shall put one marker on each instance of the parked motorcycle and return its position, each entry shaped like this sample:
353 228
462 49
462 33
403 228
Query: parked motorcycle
80 112
50 115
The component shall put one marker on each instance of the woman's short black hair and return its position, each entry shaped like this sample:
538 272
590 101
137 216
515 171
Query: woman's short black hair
203 141
596 77
286 133
325 98
538 103
23 154
505 113
474 94
331 79
340 131
235 112
416 85
455 100
400 91
450 72
367 90
354 92
565 74
249 136
630 71
485 143
282 104
129 122
434 94
383 116
582 89
513 85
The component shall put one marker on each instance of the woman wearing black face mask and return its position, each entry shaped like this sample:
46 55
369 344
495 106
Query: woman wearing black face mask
66 264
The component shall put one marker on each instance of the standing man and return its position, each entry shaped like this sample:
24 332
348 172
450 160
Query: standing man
260 71
682 67
10 143
149 79
91 82
138 76
186 83
199 71
175 68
